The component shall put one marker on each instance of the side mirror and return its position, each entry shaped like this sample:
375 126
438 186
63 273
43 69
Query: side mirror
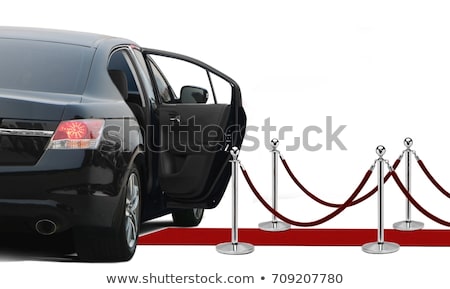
193 94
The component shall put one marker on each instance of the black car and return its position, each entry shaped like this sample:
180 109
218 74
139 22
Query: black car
94 140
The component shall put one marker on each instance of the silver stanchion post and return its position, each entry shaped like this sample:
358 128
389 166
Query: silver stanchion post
234 247
408 224
275 225
380 246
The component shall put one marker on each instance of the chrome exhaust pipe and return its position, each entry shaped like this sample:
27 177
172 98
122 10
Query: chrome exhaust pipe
45 227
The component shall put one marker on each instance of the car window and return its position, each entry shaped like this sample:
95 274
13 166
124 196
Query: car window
44 66
182 75
147 83
163 87
120 60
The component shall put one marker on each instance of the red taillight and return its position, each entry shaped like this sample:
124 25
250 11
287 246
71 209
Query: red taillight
77 134
71 130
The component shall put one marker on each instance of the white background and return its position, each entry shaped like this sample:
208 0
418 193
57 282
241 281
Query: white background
381 68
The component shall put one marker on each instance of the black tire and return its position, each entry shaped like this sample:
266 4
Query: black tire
187 217
119 242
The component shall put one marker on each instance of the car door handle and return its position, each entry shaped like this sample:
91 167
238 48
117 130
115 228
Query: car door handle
175 119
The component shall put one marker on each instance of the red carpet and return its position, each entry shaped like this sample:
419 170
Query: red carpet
294 237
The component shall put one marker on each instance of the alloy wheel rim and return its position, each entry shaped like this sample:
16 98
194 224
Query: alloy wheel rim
131 210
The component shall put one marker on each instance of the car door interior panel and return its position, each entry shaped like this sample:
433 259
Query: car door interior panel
191 136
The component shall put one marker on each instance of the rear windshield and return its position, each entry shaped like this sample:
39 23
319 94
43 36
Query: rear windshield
44 66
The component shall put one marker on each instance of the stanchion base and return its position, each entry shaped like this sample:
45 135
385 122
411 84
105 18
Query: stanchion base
380 248
408 226
235 248
276 226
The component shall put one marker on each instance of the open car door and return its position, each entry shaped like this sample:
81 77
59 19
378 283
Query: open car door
196 128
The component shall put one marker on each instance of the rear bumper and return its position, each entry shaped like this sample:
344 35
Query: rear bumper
71 188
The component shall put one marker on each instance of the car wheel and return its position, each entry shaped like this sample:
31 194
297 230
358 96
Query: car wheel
118 243
188 217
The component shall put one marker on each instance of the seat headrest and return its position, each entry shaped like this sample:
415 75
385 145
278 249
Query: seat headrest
120 80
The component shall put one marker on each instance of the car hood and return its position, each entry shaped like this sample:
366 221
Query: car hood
34 105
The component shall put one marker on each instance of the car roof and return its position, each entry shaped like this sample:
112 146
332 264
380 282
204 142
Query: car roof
54 35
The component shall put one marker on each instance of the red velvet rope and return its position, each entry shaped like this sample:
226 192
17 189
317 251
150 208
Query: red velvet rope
328 204
416 204
433 180
307 224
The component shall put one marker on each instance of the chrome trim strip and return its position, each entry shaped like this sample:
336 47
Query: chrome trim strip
25 132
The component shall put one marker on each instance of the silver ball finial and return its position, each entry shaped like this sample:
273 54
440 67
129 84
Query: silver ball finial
408 142
275 142
380 150
234 152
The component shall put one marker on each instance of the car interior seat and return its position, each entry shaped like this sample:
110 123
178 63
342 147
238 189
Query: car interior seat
120 80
